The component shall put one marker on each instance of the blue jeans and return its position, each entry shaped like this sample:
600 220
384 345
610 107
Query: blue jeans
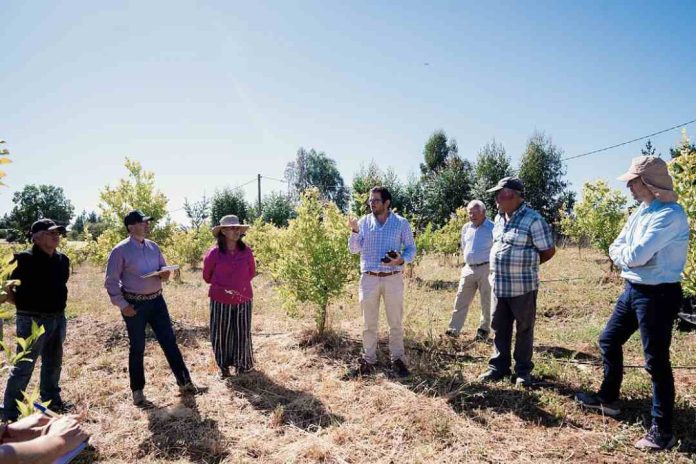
50 347
651 309
153 312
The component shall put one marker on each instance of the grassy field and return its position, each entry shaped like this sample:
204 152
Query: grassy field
296 407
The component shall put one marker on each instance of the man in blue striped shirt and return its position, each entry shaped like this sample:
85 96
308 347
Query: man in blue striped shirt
651 253
373 236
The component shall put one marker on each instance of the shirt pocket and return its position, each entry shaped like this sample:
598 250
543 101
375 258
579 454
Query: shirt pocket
516 236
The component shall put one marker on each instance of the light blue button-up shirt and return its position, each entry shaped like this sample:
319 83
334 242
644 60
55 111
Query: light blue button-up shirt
373 240
477 242
651 248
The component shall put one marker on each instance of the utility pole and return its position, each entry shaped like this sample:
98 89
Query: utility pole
259 179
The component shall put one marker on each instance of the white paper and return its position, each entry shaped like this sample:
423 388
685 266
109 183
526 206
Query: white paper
162 270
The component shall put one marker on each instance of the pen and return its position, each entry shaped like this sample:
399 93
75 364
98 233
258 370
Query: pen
45 410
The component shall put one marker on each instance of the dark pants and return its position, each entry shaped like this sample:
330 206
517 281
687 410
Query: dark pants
153 312
651 309
50 347
520 310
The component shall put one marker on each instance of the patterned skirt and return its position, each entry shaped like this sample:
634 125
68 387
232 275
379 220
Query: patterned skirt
230 335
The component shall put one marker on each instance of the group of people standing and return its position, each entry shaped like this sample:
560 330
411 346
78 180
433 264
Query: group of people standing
502 259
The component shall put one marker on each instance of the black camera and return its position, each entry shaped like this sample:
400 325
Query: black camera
389 255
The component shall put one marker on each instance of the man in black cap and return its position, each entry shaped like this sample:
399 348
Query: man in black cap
140 300
522 240
40 298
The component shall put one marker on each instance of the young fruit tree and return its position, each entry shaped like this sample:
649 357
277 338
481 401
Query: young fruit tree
598 217
314 265
683 170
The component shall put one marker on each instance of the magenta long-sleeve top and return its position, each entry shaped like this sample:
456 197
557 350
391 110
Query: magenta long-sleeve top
229 275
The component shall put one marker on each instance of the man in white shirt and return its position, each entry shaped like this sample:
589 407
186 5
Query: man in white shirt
476 242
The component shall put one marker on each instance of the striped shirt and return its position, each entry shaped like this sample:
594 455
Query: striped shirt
515 253
374 240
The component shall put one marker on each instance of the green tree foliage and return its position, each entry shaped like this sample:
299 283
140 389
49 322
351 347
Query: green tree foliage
542 172
437 151
186 246
136 191
372 176
446 240
229 201
445 191
648 149
90 223
597 217
198 211
316 169
492 164
34 202
277 208
683 170
264 239
315 264
684 148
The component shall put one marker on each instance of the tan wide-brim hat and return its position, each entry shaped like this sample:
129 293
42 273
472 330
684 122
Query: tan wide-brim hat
653 171
230 221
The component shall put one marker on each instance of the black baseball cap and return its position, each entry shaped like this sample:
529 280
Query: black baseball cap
134 217
46 224
512 183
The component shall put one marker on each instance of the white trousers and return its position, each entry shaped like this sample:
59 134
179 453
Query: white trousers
391 289
472 279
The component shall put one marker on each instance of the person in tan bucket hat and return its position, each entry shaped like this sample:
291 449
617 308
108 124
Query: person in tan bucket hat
653 172
651 253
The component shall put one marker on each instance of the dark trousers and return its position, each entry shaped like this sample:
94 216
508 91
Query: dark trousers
520 310
50 347
651 309
153 312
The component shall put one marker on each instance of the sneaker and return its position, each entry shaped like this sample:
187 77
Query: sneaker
399 368
189 389
481 335
591 401
138 397
61 407
656 440
451 333
363 369
524 380
491 376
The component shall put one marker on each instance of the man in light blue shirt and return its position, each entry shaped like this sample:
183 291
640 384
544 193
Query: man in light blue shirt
374 236
476 243
651 253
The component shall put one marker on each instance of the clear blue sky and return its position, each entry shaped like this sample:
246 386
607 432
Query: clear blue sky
208 94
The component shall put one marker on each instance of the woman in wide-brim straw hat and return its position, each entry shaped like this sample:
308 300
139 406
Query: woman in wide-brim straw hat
229 267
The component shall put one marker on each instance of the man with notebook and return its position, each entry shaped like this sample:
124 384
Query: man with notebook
140 300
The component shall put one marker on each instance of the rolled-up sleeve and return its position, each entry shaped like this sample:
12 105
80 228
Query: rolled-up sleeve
355 240
409 253
112 280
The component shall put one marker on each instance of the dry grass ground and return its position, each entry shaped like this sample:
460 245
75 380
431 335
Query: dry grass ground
297 408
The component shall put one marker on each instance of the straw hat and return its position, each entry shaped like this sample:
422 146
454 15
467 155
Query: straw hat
229 221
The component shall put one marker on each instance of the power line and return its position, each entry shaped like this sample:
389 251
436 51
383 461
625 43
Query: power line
630 141
277 180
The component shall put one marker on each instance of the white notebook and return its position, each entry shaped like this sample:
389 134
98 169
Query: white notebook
163 269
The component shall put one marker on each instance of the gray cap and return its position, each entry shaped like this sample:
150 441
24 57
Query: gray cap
512 183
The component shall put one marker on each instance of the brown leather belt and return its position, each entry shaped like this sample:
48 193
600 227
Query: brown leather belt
381 274
141 297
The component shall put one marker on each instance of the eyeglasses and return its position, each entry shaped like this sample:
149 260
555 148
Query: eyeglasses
374 200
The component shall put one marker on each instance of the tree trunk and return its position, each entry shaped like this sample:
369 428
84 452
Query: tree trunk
321 319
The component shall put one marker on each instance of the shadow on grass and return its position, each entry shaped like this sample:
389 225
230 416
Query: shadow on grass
435 372
190 336
450 285
179 432
285 406
559 352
